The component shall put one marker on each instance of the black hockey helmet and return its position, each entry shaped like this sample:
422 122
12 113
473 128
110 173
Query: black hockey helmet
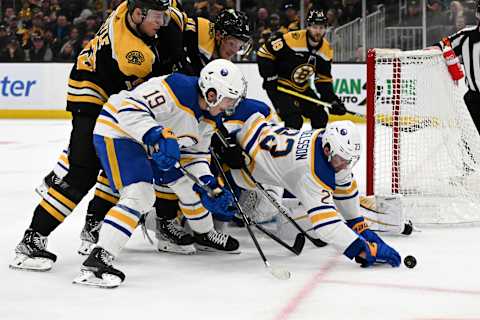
315 16
233 23
146 5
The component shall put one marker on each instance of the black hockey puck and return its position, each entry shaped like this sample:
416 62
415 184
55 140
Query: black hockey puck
410 262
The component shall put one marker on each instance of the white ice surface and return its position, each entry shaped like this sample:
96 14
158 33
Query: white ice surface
444 285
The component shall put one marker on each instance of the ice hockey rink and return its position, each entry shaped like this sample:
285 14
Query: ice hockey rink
445 285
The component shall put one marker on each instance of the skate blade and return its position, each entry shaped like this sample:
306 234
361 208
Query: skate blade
176 249
88 278
210 249
25 263
85 248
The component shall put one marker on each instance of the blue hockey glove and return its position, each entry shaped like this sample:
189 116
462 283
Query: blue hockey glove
165 150
166 177
360 226
367 253
220 205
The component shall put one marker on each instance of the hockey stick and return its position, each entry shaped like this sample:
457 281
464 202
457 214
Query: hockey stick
406 124
279 273
299 239
273 201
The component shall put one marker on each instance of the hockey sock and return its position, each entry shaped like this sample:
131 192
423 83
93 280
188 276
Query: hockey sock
118 226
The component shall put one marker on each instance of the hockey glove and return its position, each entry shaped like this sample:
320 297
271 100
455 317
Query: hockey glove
360 226
338 108
368 253
232 155
164 147
166 176
220 205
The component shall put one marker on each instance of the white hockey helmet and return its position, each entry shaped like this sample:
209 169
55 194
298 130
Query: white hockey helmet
343 139
225 79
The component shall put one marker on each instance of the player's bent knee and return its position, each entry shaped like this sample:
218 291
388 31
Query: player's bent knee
139 196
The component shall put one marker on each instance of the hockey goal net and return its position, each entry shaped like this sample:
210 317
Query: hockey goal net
422 143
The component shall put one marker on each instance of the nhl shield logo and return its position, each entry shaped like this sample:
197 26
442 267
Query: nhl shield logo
135 57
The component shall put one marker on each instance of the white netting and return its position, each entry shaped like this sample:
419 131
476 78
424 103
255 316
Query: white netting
426 146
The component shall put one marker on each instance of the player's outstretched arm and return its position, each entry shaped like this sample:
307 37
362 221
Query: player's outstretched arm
360 226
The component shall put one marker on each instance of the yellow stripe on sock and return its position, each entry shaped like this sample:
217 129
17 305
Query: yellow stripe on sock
54 212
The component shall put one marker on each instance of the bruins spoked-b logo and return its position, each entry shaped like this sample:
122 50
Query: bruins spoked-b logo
302 73
135 57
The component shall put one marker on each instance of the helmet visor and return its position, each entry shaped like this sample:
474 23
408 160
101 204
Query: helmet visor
158 17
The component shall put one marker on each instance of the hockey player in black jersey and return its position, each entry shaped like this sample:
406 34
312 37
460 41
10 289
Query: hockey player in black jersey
289 62
122 55
226 36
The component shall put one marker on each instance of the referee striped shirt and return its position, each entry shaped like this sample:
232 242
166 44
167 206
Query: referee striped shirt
466 45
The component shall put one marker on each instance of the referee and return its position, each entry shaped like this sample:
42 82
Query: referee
466 45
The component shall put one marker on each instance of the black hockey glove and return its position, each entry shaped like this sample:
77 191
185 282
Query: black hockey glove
270 83
338 108
232 155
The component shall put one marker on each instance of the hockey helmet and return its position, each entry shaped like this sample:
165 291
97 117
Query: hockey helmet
226 80
315 17
233 23
343 140
145 5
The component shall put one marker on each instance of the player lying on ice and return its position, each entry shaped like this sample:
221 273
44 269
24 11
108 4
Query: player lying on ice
315 166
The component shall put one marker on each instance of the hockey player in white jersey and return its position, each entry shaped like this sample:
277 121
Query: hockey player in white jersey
135 145
315 166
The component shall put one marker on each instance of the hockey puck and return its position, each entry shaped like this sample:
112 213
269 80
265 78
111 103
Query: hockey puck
410 262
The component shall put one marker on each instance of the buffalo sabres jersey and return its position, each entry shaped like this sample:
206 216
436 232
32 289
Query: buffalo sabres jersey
294 159
169 101
291 59
117 58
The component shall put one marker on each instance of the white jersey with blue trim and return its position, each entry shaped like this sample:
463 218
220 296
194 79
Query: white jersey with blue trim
168 101
294 160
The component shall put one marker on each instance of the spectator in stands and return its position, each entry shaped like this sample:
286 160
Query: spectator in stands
292 21
25 13
274 29
332 18
437 21
60 30
262 18
9 14
3 36
40 51
414 14
209 8
12 52
91 25
456 10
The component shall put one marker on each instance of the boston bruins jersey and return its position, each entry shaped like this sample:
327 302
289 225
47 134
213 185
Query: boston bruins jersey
114 60
199 39
294 160
293 61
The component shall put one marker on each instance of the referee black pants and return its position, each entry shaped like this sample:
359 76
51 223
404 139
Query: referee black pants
472 100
